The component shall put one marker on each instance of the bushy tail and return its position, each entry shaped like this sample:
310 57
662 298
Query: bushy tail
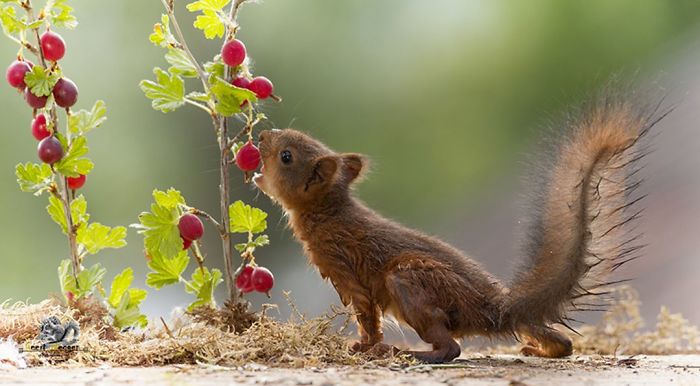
583 225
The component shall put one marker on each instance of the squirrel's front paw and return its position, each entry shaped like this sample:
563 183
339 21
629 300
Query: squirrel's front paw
359 347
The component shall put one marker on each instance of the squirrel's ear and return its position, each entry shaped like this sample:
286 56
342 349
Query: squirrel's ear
354 165
324 171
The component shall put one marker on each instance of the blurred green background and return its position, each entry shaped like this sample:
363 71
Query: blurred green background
444 96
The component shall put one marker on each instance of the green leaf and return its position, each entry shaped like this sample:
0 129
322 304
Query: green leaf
161 35
127 313
210 23
166 271
245 218
198 96
170 199
65 278
159 226
96 237
167 93
230 97
84 121
10 23
73 164
207 5
212 19
215 69
34 178
78 212
120 284
60 14
203 284
260 241
88 279
180 63
40 82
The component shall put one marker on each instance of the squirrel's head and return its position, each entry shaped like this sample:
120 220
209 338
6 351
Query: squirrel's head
300 172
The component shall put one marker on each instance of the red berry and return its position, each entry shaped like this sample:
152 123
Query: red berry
186 244
65 92
262 279
35 102
243 281
39 130
50 150
75 183
191 227
233 52
261 86
248 157
15 73
52 46
241 82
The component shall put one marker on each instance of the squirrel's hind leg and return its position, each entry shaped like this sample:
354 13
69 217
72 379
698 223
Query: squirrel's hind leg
545 342
419 311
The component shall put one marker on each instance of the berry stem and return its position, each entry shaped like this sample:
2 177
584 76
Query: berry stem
64 195
169 6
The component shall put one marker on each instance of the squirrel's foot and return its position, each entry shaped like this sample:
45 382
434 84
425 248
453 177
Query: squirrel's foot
382 350
532 351
360 347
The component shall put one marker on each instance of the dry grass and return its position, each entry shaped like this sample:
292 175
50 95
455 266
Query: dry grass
206 337
618 332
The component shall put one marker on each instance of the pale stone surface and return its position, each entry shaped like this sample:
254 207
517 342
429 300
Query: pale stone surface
477 370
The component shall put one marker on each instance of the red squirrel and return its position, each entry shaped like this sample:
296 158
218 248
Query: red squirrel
580 233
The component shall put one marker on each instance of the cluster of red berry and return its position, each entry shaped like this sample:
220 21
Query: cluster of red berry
252 278
233 54
65 94
255 278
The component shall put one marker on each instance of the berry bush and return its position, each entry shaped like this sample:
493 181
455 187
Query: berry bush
226 89
62 151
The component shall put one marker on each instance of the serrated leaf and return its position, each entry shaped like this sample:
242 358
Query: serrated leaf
97 237
83 121
159 226
127 313
65 277
88 279
78 212
166 270
170 199
60 14
245 218
167 92
210 23
229 98
215 69
203 283
73 164
198 96
10 23
180 63
260 241
207 5
161 35
120 284
41 82
34 178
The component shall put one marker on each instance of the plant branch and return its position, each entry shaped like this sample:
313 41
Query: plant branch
65 193
200 72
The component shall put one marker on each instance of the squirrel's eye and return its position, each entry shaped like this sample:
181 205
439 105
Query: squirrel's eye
286 157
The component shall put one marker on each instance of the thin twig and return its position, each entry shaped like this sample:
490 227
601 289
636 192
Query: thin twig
210 218
200 72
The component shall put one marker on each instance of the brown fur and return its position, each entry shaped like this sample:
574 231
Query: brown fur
381 267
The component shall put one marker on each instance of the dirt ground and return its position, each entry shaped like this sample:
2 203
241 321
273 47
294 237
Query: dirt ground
471 370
